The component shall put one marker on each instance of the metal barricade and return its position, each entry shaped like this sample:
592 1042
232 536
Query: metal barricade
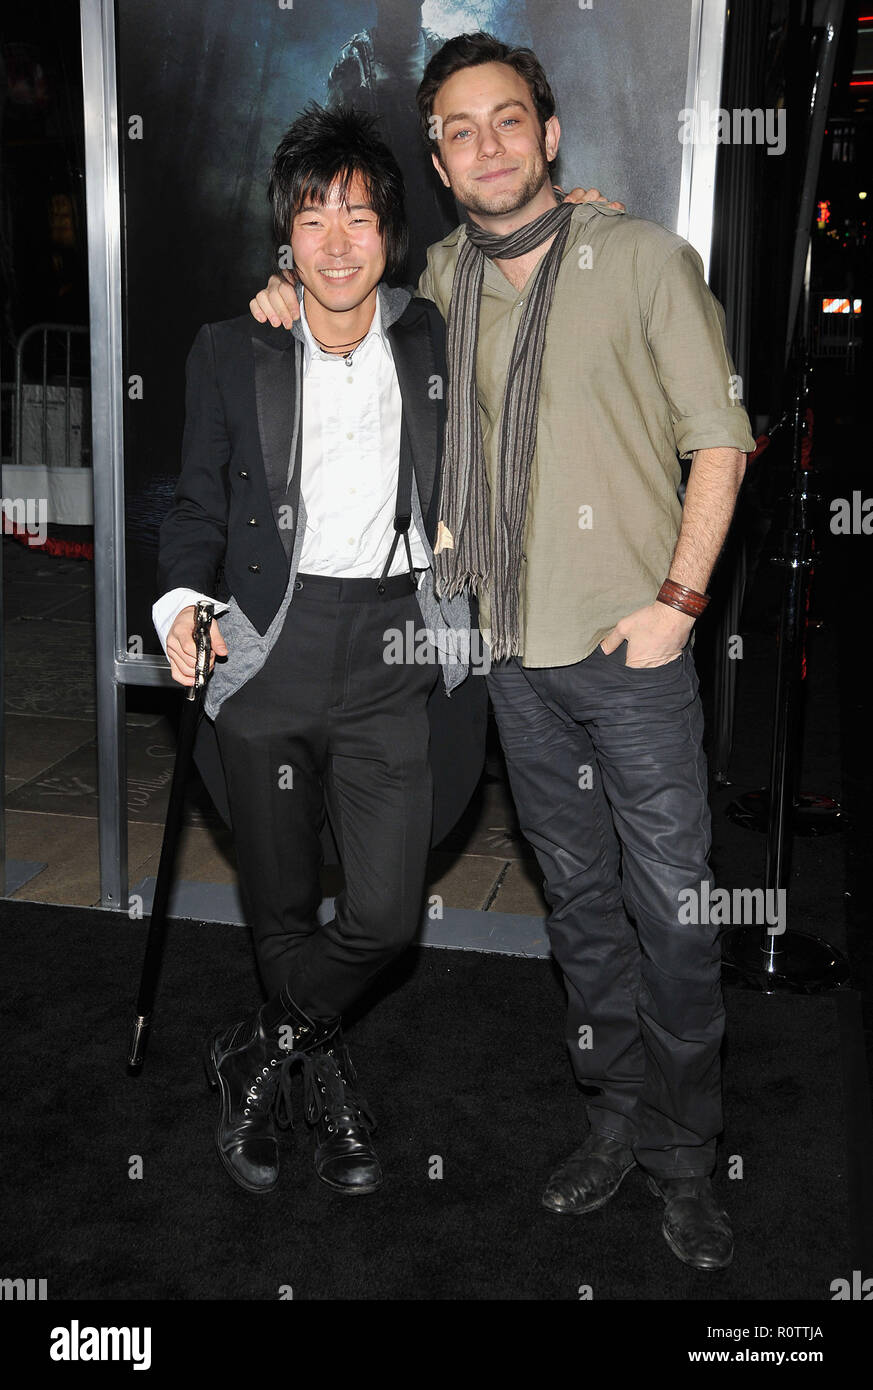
56 347
837 330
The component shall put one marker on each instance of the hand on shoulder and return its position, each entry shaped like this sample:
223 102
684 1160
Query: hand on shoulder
277 303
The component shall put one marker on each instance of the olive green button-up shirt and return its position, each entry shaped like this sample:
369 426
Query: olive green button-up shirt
635 375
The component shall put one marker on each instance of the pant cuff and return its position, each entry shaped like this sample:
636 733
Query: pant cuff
676 1172
626 1139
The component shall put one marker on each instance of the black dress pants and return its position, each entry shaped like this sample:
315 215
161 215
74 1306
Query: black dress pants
608 776
327 725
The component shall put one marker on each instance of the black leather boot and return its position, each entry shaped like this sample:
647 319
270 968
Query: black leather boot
589 1177
344 1155
250 1062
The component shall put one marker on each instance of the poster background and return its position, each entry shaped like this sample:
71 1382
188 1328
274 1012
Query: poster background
216 82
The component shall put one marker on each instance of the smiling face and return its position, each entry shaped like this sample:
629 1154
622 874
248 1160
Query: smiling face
493 153
339 251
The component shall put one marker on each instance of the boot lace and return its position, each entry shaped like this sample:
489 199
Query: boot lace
328 1094
272 1087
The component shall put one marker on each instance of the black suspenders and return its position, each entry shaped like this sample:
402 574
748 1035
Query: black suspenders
402 511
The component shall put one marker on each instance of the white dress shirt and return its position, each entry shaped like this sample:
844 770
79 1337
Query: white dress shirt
349 463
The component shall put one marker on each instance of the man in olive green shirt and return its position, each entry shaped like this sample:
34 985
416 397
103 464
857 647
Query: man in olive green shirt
578 427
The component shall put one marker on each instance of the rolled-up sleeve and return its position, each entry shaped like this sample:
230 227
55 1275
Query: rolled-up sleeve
685 328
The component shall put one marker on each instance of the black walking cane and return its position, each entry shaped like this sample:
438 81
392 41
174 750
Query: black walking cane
158 922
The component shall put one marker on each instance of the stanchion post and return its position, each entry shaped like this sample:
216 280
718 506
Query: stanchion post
787 959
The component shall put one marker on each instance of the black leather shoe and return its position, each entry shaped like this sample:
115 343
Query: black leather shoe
590 1176
344 1155
250 1064
695 1227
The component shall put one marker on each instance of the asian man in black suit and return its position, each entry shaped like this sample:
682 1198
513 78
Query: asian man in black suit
305 511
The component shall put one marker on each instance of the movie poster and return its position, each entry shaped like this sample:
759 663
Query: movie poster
206 89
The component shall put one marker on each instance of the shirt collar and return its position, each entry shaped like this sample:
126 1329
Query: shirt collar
311 348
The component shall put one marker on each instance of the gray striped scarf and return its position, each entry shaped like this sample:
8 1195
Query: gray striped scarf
464 498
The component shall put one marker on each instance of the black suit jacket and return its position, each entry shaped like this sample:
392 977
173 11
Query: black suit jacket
223 535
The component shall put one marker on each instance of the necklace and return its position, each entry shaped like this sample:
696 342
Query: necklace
337 347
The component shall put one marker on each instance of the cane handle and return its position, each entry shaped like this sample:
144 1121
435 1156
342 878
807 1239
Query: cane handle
203 641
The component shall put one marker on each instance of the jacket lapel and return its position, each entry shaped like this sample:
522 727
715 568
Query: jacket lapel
414 362
279 425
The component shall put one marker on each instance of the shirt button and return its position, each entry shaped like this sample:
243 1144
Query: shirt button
351 540
350 379
243 474
350 435
255 569
252 521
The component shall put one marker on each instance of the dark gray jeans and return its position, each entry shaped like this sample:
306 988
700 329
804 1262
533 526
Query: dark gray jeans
608 776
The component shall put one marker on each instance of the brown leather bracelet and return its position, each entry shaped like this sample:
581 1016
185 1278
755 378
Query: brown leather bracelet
687 601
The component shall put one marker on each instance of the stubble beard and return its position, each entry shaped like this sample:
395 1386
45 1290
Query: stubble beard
502 204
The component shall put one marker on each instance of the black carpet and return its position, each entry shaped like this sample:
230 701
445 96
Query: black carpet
462 1061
